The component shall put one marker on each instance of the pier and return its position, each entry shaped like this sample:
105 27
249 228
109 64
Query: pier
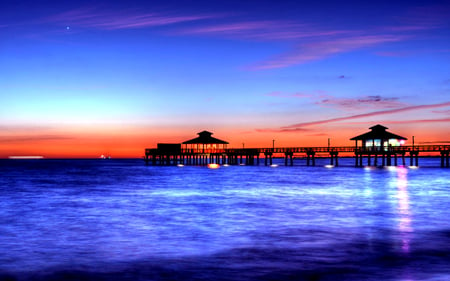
378 148
251 156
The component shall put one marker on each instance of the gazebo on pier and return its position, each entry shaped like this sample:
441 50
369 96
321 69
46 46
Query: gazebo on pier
205 143
379 143
378 139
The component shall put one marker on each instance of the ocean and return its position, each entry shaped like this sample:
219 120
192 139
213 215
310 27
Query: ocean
123 220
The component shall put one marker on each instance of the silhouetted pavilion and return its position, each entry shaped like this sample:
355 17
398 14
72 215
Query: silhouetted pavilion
205 143
378 138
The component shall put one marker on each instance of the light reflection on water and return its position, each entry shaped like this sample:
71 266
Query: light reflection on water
119 220
404 212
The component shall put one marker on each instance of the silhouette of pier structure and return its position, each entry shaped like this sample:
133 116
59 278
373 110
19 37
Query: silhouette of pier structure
378 147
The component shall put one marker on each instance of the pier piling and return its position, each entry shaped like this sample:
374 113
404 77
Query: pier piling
310 156
334 158
445 158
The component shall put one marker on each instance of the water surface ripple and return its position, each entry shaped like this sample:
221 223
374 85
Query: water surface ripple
122 220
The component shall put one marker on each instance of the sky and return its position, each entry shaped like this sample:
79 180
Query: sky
86 78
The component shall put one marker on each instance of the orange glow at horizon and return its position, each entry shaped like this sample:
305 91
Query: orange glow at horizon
130 142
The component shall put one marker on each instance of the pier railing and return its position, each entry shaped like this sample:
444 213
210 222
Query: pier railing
403 149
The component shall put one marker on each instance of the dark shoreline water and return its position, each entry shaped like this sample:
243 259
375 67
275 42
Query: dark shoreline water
122 220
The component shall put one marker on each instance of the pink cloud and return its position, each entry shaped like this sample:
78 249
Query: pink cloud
445 112
370 114
275 94
335 42
32 139
282 130
322 49
312 42
413 121
288 95
301 95
93 18
419 121
18 129
263 30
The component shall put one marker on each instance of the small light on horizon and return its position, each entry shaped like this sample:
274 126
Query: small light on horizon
26 157
67 27
180 165
329 166
274 165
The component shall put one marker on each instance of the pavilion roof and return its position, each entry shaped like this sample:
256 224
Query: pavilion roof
205 137
378 132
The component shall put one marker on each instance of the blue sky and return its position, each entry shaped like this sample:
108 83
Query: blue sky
250 70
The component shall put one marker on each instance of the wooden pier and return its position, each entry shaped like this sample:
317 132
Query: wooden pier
389 156
378 146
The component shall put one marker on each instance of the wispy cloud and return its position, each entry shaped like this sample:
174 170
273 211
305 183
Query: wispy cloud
409 121
322 49
417 121
36 138
445 112
365 102
434 142
424 17
19 128
288 95
358 103
100 19
282 130
369 114
409 53
263 30
313 43
304 130
309 41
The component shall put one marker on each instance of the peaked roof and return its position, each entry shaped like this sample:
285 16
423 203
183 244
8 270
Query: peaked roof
379 127
378 132
205 137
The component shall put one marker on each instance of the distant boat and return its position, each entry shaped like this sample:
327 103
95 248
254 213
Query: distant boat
105 157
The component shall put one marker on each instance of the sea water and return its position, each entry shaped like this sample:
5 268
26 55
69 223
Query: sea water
123 220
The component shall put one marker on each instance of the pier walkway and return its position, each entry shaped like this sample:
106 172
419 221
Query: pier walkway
374 156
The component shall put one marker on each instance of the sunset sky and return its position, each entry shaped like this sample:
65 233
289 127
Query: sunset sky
85 78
